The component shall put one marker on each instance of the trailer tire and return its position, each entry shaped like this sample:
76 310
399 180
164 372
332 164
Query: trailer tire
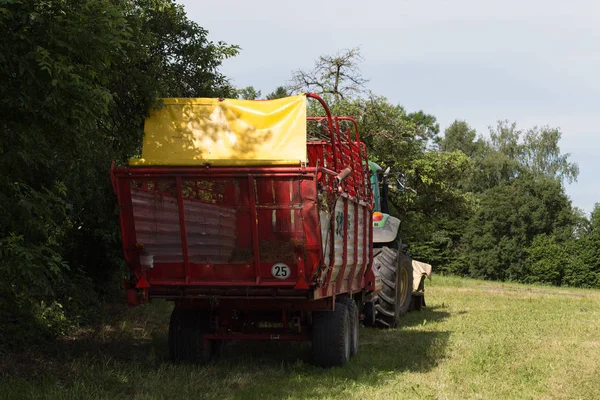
331 337
353 314
186 336
393 300
218 348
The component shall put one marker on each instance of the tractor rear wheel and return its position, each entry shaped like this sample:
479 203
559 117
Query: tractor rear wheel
331 337
393 300
186 336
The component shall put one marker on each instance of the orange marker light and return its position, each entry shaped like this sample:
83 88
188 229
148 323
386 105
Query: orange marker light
377 216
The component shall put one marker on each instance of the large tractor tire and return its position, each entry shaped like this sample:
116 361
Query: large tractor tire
394 299
331 343
186 336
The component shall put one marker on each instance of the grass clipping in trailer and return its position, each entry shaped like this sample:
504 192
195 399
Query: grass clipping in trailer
225 132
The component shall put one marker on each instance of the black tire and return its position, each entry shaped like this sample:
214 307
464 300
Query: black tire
331 337
369 312
218 348
418 301
395 271
353 314
186 336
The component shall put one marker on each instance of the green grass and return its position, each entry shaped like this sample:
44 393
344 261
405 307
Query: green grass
476 340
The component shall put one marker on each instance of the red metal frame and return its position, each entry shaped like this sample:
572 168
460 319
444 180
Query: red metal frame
183 232
256 199
253 217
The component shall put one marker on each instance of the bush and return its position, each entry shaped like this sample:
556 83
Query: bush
78 79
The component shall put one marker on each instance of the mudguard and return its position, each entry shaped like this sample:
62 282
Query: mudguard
386 230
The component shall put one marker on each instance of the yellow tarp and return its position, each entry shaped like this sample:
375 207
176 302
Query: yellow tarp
196 131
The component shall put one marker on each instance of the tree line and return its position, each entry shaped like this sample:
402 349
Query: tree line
485 206
77 80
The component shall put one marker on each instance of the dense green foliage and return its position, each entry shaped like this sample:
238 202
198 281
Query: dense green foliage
78 79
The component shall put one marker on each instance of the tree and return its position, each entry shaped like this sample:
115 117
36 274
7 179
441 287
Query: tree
280 92
427 126
583 268
460 136
542 155
546 261
508 218
248 93
511 152
389 131
52 95
336 75
434 218
78 80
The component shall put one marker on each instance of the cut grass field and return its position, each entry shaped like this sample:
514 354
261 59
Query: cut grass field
476 340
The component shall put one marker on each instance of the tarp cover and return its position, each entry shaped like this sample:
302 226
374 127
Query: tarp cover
197 131
420 269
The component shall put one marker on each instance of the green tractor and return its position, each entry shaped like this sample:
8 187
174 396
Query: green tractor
394 269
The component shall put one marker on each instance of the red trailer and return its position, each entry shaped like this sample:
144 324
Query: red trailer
250 243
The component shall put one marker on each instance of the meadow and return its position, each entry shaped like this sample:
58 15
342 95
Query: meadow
476 339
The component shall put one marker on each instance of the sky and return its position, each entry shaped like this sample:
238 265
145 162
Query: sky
533 62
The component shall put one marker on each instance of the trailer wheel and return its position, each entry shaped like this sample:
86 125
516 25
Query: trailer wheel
353 314
394 298
331 337
186 336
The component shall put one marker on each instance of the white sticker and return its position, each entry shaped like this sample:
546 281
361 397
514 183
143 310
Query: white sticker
280 271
